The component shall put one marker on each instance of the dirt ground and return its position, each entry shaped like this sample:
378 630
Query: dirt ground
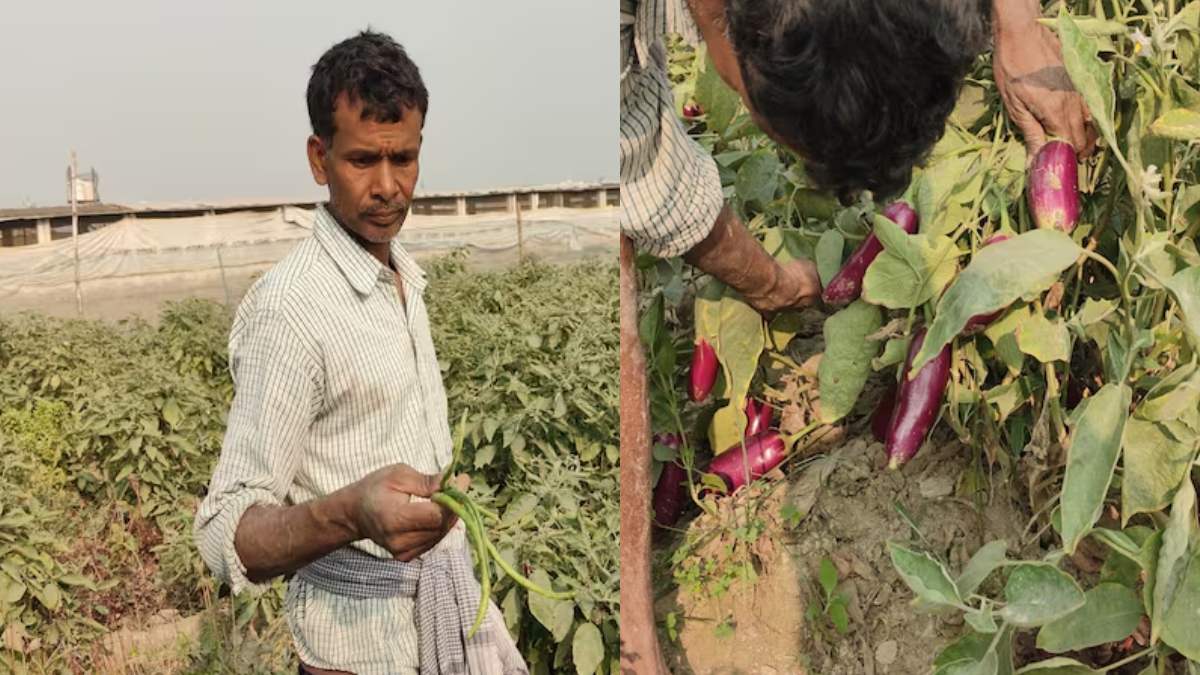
854 515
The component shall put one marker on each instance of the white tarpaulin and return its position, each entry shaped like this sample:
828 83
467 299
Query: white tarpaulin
142 261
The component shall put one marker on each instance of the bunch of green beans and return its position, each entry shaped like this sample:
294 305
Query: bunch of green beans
472 514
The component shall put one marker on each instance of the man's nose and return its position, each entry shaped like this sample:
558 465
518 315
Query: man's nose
385 184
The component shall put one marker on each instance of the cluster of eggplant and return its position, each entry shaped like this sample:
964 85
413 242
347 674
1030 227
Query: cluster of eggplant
908 409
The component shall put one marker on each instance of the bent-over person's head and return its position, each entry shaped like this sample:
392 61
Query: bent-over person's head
367 105
861 89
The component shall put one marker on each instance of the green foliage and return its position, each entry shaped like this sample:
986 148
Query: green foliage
110 432
1085 385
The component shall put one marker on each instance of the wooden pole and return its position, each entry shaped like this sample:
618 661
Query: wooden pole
224 282
74 174
520 232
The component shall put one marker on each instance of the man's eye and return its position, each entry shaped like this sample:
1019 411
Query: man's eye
362 162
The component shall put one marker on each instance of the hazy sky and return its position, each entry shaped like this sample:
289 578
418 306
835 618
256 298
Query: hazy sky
205 100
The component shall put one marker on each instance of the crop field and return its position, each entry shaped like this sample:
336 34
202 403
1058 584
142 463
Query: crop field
979 454
109 433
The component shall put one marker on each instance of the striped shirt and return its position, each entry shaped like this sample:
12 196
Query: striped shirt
335 376
670 188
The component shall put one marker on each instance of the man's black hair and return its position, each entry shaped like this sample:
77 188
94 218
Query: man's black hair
860 88
370 68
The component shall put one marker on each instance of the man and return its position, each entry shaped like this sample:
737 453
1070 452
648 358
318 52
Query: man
339 427
861 90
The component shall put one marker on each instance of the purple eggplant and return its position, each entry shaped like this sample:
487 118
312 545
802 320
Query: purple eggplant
881 419
669 493
704 370
846 285
1054 187
917 403
758 417
763 453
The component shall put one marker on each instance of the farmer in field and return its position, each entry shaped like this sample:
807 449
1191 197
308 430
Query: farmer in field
339 427
861 90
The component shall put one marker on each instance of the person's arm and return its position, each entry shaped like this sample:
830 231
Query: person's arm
1032 80
730 253
709 16
244 531
276 540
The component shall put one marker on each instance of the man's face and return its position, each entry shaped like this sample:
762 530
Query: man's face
371 169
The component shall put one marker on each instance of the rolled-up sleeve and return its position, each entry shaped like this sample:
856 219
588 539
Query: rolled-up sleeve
670 187
277 383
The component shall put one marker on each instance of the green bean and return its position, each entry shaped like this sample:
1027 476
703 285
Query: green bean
485 572
520 579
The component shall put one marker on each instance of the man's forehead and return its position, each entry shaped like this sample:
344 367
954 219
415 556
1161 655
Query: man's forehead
348 116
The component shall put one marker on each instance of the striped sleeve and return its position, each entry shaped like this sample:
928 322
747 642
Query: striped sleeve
670 188
277 384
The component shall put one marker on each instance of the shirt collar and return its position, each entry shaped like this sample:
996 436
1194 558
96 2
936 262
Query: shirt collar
361 268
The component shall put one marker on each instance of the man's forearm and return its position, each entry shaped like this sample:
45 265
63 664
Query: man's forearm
730 253
276 540
1009 14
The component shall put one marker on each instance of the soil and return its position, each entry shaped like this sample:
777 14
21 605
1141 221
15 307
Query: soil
853 517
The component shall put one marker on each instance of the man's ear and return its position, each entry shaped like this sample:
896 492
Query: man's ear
317 154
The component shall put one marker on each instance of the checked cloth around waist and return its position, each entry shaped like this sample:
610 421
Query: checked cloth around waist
446 597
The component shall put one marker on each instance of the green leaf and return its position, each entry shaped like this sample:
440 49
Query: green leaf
839 616
758 178
926 576
707 308
556 615
1175 558
976 654
1091 76
50 596
1044 340
784 327
986 559
846 364
739 344
894 351
1156 462
171 414
1185 286
1093 311
828 576
1058 666
911 270
1091 459
716 99
981 621
1173 397
1179 622
519 508
1038 593
1111 612
1003 334
998 276
829 255
587 649
1179 124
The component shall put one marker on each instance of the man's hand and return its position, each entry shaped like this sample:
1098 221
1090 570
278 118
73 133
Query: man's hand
731 254
384 512
1033 82
796 285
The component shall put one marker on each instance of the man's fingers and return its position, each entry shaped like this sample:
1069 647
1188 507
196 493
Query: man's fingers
421 516
409 480
1031 128
1079 134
